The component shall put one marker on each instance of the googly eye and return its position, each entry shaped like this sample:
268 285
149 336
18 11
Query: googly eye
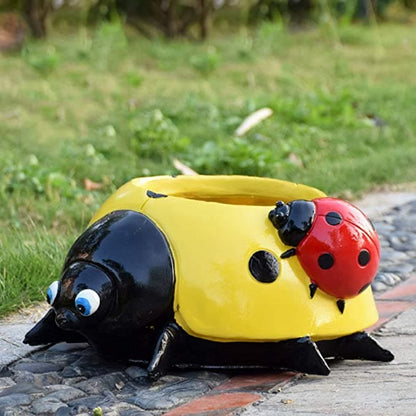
87 302
52 292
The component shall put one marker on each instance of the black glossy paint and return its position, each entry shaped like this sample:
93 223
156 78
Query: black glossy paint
126 260
263 266
313 287
357 346
293 220
47 332
135 255
364 287
288 253
152 194
341 305
178 349
326 261
175 348
333 218
364 257
299 354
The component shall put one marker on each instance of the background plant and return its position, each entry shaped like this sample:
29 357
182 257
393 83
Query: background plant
87 109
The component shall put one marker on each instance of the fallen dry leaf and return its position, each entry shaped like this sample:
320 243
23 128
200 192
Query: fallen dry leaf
296 160
89 185
120 385
184 169
252 120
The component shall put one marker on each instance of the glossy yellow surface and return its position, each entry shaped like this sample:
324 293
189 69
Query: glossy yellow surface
214 224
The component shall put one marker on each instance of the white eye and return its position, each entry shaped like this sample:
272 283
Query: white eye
87 302
52 292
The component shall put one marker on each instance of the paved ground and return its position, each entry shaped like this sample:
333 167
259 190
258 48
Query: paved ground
68 380
357 388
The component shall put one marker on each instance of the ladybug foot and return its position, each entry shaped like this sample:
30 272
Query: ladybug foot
288 253
357 346
341 305
163 353
312 289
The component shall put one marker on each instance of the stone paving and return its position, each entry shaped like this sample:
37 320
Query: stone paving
398 246
72 380
354 388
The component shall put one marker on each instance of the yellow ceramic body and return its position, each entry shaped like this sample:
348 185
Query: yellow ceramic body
214 224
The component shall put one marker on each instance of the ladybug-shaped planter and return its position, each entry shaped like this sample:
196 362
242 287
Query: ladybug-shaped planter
190 272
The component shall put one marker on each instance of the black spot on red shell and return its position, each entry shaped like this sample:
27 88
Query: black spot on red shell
333 218
364 257
326 261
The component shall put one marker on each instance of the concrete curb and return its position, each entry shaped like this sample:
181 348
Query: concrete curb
11 346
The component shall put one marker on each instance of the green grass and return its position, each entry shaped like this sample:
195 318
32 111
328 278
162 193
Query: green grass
29 263
110 106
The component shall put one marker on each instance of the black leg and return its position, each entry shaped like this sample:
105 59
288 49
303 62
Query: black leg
288 253
301 355
341 305
164 352
358 346
312 289
47 332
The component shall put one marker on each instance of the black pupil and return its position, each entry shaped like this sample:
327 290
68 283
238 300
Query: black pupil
333 218
325 261
364 257
81 308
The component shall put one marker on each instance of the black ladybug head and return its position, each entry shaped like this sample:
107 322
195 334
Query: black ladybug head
83 298
292 220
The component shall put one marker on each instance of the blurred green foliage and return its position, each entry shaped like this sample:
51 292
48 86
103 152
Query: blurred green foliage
155 136
44 63
237 156
29 175
184 18
206 63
